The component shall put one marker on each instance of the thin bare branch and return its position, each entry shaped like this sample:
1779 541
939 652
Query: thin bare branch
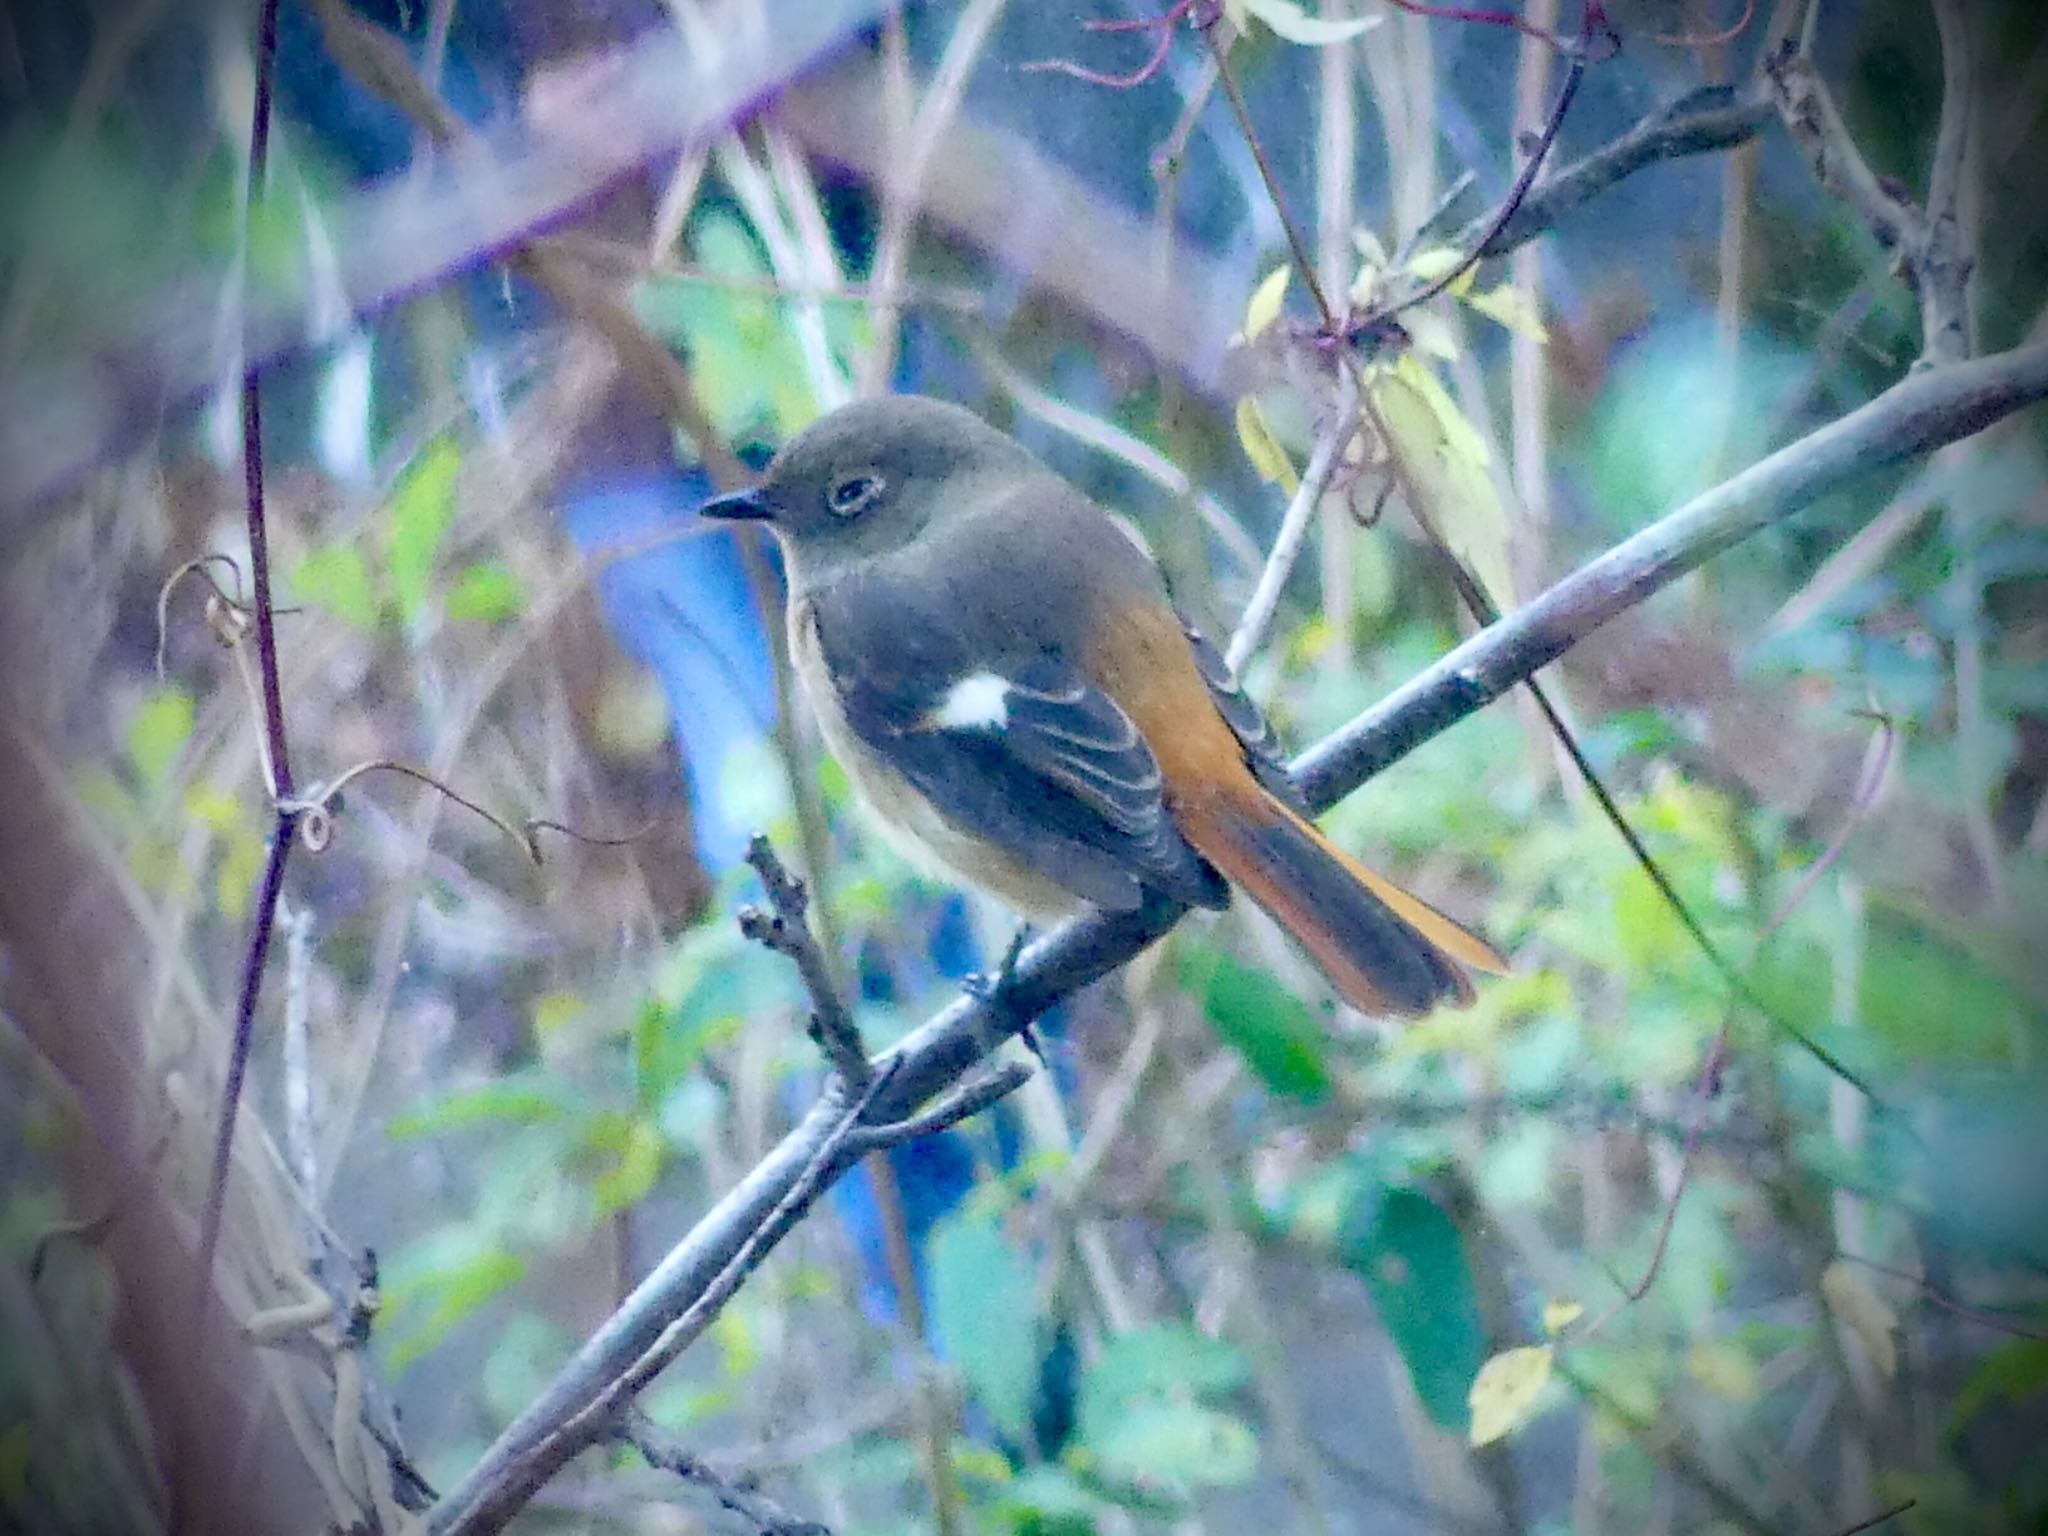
270 886
1322 464
1713 118
663 1450
1948 254
786 929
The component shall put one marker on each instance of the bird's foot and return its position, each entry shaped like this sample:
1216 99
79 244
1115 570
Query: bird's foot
990 986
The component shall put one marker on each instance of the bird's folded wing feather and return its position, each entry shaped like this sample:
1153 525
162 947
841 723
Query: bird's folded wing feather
1032 756
1262 750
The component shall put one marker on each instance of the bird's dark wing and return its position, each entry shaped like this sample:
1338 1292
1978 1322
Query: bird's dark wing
1262 748
1025 752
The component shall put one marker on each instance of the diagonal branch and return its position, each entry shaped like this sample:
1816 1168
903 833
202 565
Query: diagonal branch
1929 409
1713 118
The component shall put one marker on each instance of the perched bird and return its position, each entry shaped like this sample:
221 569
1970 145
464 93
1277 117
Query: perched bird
1000 670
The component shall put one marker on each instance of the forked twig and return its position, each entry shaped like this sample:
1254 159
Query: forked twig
786 929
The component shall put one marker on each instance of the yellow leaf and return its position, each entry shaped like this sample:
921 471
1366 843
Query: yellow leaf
1266 300
556 1009
1267 456
1505 1391
1432 262
984 1463
1512 307
1430 334
1559 1315
1443 464
1864 1313
213 808
1726 1370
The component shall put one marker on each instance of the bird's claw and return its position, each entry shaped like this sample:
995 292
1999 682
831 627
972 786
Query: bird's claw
993 987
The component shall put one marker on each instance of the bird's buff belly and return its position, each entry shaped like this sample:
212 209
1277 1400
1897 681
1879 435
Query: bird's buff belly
909 822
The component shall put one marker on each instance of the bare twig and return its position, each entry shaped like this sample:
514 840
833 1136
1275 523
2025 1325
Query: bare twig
786 929
1915 416
1214 33
963 1103
1265 599
1948 256
663 1450
1810 115
1503 214
1992 1320
1163 25
1713 118
1882 1517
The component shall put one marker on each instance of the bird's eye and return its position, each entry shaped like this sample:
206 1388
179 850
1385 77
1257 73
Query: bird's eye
851 496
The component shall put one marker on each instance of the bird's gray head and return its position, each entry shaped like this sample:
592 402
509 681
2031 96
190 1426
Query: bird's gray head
870 477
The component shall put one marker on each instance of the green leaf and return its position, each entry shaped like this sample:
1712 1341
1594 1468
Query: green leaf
234 880
1412 1259
486 593
1930 1001
1154 1361
985 1309
421 513
1181 1445
1274 1031
337 580
157 735
1048 1501
1509 306
1143 1413
636 1147
505 1102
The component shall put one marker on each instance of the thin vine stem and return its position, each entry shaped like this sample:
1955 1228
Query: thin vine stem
271 885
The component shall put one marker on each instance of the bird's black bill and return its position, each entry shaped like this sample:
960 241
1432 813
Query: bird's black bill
738 507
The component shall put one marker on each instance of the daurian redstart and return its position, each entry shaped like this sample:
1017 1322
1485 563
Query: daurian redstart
1001 672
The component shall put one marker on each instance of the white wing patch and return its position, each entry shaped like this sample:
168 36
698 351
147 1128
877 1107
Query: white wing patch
978 702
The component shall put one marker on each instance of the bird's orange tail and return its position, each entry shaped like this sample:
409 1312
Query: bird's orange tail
1385 950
